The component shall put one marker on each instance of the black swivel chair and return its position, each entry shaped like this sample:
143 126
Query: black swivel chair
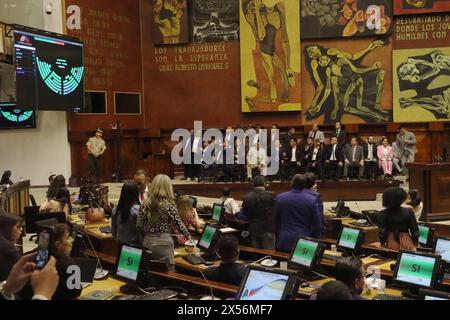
33 201
34 219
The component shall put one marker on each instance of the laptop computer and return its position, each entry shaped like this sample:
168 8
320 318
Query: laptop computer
87 267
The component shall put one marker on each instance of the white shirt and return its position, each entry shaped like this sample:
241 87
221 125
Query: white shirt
370 151
333 153
196 143
314 155
230 205
294 158
254 156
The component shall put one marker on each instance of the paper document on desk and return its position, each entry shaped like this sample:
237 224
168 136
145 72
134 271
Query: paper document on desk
97 295
227 230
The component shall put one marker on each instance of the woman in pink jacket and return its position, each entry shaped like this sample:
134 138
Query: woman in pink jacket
385 154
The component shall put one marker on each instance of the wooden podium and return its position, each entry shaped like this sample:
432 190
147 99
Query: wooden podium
433 183
16 198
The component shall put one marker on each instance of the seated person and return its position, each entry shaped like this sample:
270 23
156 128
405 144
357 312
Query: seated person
307 148
350 270
230 205
10 233
188 216
206 169
333 159
58 197
354 158
370 158
397 226
334 290
385 154
314 161
415 203
124 216
256 159
229 271
294 157
61 249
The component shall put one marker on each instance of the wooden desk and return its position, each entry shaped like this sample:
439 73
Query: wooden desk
334 226
433 182
105 245
16 198
198 284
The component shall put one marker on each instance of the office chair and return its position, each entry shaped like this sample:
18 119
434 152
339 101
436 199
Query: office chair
33 217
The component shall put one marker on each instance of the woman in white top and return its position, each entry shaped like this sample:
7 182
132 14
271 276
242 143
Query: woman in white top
415 203
230 205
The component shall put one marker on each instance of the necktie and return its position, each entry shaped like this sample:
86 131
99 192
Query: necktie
333 156
354 154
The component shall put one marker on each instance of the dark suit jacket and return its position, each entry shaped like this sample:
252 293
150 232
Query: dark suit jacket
319 156
359 154
298 153
230 273
329 150
298 214
366 151
259 207
342 136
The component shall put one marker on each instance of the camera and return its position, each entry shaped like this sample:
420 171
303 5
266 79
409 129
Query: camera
49 8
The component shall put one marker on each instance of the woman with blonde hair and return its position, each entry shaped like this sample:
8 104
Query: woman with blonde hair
157 217
188 215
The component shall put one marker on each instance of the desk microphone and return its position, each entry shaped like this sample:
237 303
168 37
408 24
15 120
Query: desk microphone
273 262
100 273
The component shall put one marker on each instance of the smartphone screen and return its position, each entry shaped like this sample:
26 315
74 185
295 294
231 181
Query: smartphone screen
43 251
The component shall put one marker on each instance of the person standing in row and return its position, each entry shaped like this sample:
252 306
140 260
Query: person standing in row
407 145
157 217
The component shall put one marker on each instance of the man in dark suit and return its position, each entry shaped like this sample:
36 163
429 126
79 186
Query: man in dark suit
298 214
354 157
333 159
258 208
306 149
370 158
287 137
194 146
294 156
229 271
340 134
315 159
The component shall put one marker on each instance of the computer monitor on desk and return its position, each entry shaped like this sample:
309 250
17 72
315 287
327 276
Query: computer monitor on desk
417 270
208 240
350 239
426 234
217 213
128 268
306 254
261 283
442 248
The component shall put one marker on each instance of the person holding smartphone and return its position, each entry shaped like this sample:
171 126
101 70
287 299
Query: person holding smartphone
10 233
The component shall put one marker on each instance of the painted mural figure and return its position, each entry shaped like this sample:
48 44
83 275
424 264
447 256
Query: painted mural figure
265 22
344 85
167 17
418 73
